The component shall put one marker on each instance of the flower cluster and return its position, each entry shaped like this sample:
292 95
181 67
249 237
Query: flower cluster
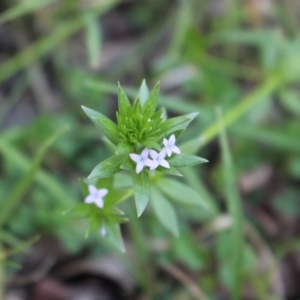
144 141
158 158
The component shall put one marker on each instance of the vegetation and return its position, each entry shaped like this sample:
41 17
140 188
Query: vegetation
236 63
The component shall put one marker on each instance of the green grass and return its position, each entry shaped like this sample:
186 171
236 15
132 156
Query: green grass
204 57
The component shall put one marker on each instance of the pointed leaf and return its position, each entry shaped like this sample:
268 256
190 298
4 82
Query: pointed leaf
124 147
151 144
128 164
164 211
16 194
143 93
114 236
141 186
117 196
83 186
81 210
95 223
109 166
106 126
152 100
180 192
171 171
174 124
123 102
186 160
93 39
105 183
181 127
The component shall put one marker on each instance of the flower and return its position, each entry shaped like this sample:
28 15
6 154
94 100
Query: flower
158 159
141 160
96 196
103 230
170 146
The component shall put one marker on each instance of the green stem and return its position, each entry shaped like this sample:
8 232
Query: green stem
141 254
192 146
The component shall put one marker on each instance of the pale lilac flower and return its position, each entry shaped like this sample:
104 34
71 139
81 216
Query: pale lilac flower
170 146
141 160
103 230
96 196
158 159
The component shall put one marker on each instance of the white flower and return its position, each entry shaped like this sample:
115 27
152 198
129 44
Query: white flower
141 160
158 159
170 145
96 196
103 230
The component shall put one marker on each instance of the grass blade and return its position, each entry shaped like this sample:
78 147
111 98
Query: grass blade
46 44
23 8
235 210
93 39
12 200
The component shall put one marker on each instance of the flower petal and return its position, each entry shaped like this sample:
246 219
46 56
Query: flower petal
103 231
89 199
153 154
154 164
172 139
92 189
165 164
139 168
145 153
135 157
168 151
162 154
176 150
165 142
99 202
102 192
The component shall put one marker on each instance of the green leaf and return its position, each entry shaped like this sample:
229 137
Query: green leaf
83 186
114 236
164 211
106 126
123 102
143 93
152 100
109 166
290 101
20 247
116 218
95 223
81 210
124 147
151 144
93 38
13 199
180 192
18 10
234 203
186 160
103 183
128 164
182 126
117 196
141 186
171 171
174 124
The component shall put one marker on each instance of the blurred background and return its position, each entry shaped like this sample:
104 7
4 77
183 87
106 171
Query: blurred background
243 55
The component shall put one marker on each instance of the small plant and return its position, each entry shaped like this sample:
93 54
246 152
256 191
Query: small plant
145 148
